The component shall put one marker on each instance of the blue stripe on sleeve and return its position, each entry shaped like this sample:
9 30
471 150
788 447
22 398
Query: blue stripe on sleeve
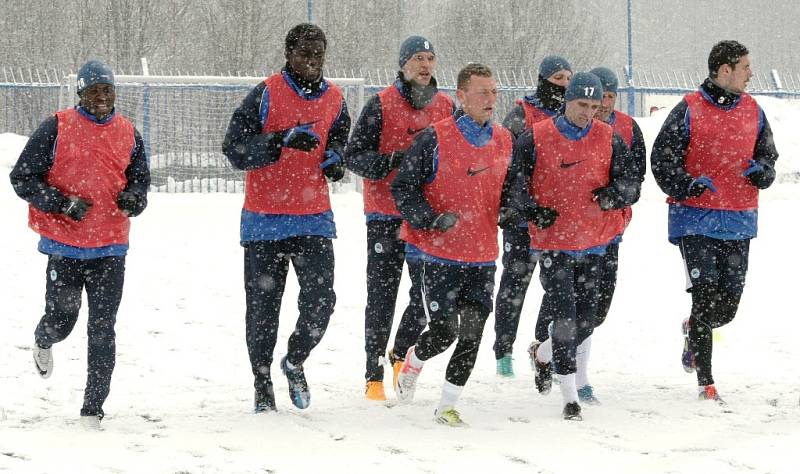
263 110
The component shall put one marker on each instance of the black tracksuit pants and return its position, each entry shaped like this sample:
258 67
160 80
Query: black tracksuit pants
570 301
458 301
716 271
607 282
103 279
385 257
266 265
518 267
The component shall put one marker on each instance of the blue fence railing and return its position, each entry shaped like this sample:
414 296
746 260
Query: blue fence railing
183 125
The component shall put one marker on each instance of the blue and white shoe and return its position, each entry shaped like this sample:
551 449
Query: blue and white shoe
505 366
298 387
586 395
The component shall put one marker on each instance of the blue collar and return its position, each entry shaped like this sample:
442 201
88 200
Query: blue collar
612 119
94 119
475 134
302 92
571 131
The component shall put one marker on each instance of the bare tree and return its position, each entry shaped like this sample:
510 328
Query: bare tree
517 34
245 36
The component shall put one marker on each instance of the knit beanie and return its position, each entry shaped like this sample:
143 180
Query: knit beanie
607 78
94 72
584 85
552 64
413 45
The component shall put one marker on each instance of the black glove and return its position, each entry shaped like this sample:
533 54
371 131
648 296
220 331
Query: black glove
543 217
76 208
335 171
759 175
131 204
444 221
604 197
509 217
762 179
699 185
333 165
301 138
396 158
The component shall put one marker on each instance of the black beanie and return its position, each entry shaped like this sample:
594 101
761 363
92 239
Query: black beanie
413 45
94 72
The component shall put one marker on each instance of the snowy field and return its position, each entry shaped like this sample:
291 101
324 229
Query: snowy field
181 396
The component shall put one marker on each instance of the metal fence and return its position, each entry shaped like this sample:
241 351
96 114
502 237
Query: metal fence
183 124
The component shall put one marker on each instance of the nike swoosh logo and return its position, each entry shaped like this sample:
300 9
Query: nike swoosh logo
567 165
307 123
414 131
472 172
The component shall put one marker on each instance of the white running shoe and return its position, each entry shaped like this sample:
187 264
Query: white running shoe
407 378
43 358
91 423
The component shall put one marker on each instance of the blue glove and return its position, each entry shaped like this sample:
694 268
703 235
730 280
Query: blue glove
301 138
755 167
333 166
699 185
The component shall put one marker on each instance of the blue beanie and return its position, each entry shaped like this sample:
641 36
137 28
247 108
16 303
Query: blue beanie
607 78
584 85
94 72
413 45
552 64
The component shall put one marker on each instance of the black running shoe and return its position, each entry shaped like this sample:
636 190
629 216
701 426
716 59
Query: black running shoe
543 373
572 411
687 356
265 400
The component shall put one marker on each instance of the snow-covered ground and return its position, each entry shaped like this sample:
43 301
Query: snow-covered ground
181 398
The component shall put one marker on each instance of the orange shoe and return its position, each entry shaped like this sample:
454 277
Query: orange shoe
709 392
396 364
374 391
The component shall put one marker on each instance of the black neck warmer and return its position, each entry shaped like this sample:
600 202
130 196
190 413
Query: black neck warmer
551 95
418 96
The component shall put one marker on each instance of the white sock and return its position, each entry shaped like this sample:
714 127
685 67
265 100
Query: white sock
582 362
569 393
450 395
544 353
415 361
